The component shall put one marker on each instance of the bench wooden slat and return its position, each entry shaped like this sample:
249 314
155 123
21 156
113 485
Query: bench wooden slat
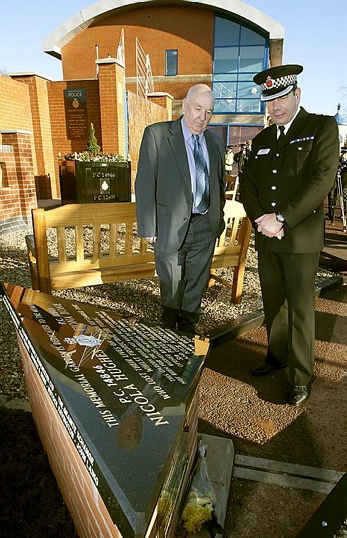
61 244
105 263
128 240
79 243
113 240
96 244
95 277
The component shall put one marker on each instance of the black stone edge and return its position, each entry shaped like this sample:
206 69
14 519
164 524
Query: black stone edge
105 490
245 324
119 518
330 515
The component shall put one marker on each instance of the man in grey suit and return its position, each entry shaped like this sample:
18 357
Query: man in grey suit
290 170
181 218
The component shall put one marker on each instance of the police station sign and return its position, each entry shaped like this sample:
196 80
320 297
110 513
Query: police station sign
76 117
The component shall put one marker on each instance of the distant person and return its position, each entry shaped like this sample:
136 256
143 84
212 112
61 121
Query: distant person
229 160
290 170
180 186
241 156
339 190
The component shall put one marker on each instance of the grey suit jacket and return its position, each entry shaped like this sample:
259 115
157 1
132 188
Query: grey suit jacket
163 186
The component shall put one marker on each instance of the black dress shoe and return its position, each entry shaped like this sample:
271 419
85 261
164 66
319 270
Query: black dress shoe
298 394
265 369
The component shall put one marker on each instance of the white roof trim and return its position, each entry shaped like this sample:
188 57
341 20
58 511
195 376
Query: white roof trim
83 19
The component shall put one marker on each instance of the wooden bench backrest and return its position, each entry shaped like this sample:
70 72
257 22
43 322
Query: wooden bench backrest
88 228
93 244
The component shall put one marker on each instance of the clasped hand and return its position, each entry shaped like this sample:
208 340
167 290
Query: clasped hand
269 226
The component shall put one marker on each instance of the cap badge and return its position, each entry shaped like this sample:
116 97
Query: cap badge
269 82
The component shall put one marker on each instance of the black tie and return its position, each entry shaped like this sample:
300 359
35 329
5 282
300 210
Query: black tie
282 134
202 194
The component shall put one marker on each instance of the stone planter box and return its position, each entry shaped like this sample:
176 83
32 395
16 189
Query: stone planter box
86 182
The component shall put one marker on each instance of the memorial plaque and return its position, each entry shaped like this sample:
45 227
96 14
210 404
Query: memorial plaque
123 391
75 100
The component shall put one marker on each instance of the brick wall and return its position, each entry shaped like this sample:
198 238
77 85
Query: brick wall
9 194
112 106
18 193
15 111
152 25
39 106
142 112
33 127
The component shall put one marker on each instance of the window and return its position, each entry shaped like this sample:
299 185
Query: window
239 53
171 62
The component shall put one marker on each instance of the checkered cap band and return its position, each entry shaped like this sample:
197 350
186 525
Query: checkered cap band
279 83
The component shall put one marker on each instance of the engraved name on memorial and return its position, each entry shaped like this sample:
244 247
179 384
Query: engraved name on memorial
122 390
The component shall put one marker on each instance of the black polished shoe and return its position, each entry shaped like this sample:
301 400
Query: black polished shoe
298 394
265 369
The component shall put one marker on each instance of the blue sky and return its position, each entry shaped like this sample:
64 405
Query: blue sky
314 38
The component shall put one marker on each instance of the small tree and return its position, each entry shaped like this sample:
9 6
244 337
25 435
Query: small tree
92 144
93 153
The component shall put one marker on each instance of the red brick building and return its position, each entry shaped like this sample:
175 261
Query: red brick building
132 62
222 43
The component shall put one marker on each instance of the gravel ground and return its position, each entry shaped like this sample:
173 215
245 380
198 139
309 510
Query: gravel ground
138 297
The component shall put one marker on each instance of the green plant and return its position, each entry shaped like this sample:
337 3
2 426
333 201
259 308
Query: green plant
92 146
93 153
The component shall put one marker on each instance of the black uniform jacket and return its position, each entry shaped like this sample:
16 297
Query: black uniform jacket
292 178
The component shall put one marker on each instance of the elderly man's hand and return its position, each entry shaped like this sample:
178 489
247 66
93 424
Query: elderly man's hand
269 226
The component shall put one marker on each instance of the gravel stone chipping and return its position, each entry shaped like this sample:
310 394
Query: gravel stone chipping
140 298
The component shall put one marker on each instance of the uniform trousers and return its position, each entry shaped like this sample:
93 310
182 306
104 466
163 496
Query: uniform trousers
184 274
288 290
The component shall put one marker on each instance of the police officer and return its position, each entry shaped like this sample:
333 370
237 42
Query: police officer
242 156
290 170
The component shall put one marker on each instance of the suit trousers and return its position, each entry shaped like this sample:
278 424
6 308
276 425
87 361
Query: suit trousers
288 290
184 274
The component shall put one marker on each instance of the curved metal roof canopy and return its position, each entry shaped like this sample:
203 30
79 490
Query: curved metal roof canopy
88 16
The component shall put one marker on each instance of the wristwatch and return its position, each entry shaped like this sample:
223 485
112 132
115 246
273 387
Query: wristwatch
280 218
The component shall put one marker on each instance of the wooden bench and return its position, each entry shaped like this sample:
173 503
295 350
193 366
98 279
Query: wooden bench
232 187
79 245
231 248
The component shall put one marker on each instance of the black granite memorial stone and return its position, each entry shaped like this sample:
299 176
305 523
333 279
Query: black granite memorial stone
122 389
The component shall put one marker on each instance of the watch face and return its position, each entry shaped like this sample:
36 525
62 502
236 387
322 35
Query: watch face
279 217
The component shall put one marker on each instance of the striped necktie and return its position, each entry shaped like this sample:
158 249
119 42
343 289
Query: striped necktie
202 193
